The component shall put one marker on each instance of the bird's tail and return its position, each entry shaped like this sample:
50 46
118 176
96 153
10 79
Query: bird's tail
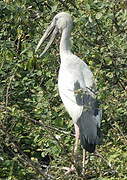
89 131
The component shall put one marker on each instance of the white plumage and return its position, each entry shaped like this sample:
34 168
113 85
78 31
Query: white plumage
76 85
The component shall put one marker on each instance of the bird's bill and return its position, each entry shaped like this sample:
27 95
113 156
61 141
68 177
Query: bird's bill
51 30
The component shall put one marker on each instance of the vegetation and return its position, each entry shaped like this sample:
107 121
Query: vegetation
36 133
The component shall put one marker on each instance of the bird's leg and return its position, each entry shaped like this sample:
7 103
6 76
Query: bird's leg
83 161
72 168
76 139
76 146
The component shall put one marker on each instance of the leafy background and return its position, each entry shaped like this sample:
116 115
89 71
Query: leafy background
36 133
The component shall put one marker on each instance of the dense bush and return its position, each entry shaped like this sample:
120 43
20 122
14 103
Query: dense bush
36 133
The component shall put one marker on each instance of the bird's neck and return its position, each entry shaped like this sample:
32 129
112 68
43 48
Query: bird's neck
65 44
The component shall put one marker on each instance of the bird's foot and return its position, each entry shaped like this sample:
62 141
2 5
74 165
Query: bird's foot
69 169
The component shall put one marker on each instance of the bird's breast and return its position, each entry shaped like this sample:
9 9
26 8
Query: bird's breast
66 81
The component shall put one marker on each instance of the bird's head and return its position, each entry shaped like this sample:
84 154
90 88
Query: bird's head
59 23
62 20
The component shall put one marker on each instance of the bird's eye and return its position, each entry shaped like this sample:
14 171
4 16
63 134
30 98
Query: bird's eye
56 19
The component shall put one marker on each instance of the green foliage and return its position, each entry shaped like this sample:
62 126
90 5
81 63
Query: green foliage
36 138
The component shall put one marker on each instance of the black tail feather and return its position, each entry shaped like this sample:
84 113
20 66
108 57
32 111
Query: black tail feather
86 145
89 132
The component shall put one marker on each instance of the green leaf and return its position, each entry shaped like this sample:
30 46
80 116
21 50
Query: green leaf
98 15
54 8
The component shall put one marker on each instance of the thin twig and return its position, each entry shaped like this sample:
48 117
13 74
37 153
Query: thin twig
64 4
47 127
7 91
36 166
63 147
99 155
14 145
52 135
120 131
